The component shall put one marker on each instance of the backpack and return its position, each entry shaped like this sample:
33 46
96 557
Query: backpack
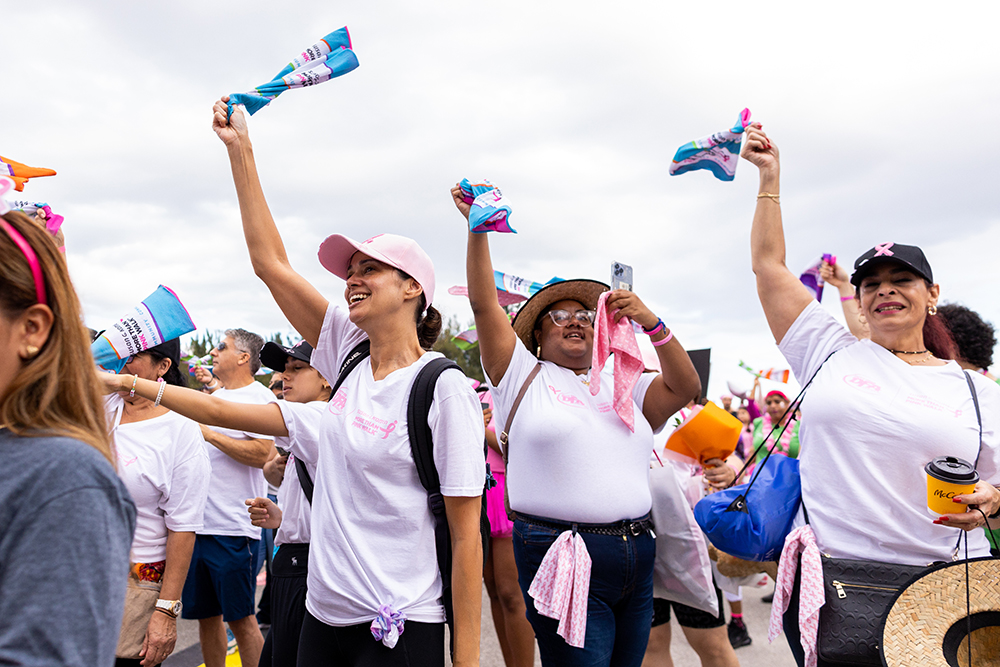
422 447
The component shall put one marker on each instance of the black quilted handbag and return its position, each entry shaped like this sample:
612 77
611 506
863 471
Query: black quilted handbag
858 595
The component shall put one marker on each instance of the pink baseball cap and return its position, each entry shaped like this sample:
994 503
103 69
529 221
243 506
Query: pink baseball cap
397 251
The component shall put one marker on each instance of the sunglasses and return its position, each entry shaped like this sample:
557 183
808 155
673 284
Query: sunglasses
561 318
222 347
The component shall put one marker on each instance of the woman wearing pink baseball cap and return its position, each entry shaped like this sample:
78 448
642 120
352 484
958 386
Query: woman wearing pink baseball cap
373 570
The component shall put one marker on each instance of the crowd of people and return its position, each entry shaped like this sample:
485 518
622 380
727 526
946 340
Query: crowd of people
380 543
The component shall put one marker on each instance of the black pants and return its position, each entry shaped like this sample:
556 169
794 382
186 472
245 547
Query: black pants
289 571
322 645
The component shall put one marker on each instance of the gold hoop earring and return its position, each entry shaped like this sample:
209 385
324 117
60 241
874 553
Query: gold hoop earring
32 351
932 310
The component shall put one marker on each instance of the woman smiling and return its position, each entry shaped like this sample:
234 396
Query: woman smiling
877 410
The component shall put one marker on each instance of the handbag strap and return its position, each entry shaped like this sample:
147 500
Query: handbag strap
513 410
790 410
979 416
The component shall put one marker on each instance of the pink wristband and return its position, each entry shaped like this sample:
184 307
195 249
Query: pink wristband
846 298
658 343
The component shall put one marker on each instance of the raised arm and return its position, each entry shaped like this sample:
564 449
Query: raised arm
496 336
781 293
836 275
301 303
203 408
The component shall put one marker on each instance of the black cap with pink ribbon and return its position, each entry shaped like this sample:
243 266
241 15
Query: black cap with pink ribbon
909 255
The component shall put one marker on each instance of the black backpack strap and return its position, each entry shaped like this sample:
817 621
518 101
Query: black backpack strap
354 358
422 447
305 480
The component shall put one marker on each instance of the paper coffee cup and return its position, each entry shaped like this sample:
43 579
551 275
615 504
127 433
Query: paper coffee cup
948 477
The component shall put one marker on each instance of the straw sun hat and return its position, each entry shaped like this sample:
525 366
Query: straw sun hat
927 623
587 292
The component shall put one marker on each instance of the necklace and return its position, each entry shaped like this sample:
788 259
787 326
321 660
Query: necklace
908 352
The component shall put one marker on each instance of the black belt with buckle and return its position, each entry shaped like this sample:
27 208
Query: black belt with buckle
633 527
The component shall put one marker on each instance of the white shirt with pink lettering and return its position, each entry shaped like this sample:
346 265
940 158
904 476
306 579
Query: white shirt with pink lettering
571 456
870 423
372 531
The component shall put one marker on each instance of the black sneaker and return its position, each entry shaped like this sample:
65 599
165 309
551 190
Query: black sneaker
738 635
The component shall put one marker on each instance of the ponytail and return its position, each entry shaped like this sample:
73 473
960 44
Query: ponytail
428 326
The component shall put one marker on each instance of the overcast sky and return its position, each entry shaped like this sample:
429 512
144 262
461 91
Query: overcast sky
885 115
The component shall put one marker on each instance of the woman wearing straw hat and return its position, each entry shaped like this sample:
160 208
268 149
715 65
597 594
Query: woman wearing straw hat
373 567
863 479
67 519
575 468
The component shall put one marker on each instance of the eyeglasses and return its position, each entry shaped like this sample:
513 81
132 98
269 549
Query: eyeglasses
31 257
561 318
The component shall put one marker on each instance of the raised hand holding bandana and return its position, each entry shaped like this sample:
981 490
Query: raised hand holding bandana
812 279
719 153
20 173
329 58
490 211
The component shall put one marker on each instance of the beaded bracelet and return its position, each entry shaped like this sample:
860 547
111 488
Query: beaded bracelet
847 298
135 378
159 393
656 329
658 343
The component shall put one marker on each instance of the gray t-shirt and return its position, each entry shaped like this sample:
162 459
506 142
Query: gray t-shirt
66 524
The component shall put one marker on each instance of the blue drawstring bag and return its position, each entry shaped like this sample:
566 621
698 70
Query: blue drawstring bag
751 521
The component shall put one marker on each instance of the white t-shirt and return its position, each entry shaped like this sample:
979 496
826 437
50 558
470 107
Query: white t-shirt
302 421
871 422
372 531
233 482
163 463
571 456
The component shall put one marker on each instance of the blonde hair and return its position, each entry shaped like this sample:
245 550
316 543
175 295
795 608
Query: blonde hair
57 391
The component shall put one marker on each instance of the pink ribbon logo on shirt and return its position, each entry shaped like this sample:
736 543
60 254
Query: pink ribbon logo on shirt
883 249
387 429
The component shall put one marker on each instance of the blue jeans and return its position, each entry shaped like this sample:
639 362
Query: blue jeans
620 604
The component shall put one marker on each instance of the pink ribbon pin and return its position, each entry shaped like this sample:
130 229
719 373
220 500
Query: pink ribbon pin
883 249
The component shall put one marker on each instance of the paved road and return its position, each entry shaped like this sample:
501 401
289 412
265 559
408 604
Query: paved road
755 613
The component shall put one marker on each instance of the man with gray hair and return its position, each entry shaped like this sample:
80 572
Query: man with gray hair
221 581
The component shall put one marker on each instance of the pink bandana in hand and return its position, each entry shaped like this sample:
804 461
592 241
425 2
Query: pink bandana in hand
618 338
811 594
561 586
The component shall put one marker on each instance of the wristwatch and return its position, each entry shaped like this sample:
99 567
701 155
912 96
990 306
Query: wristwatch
171 607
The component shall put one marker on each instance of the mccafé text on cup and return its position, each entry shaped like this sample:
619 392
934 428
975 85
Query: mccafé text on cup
947 477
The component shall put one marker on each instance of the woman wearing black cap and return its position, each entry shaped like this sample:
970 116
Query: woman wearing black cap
575 467
164 464
863 478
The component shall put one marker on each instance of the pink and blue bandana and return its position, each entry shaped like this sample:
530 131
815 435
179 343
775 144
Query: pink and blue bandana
719 153
490 211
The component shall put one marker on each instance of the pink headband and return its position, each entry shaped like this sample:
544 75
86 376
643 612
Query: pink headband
29 254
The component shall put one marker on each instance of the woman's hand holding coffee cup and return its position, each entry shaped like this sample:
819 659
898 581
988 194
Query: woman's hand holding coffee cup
985 496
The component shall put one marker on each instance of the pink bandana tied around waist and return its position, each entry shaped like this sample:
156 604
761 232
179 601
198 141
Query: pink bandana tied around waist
618 338
388 625
561 586
811 594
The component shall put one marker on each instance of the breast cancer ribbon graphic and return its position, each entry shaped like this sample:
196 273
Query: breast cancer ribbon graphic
490 211
327 59
719 153
882 249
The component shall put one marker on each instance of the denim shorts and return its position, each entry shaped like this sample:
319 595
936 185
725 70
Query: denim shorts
620 603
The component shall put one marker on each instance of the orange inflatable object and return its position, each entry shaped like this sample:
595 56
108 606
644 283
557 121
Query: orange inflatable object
20 173
710 433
